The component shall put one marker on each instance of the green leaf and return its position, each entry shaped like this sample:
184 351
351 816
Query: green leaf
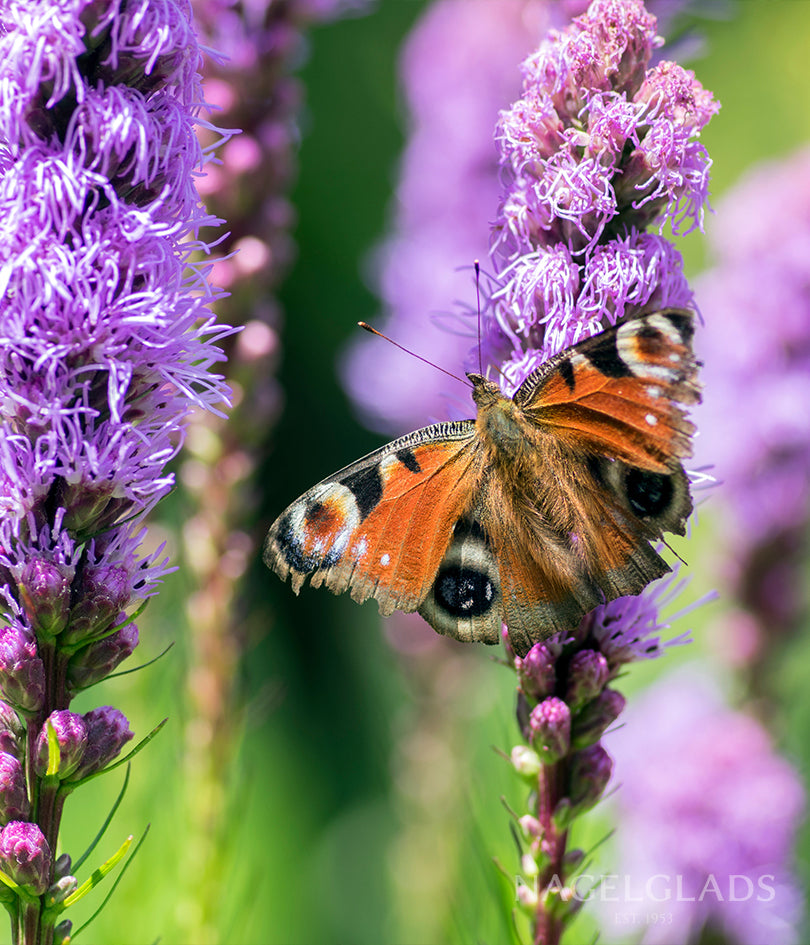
139 747
136 669
115 884
77 865
54 752
49 916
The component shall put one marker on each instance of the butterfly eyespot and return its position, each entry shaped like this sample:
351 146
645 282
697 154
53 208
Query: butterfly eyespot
648 493
316 530
464 592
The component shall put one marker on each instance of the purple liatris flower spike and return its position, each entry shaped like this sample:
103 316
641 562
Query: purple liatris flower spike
106 345
598 147
756 343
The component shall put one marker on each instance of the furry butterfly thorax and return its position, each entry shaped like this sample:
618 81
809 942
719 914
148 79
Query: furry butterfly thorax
544 506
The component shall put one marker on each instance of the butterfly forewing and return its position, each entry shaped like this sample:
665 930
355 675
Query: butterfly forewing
381 526
622 392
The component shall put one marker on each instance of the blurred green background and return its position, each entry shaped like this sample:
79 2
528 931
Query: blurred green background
363 792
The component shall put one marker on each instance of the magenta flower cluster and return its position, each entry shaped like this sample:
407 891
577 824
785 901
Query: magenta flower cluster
598 148
106 341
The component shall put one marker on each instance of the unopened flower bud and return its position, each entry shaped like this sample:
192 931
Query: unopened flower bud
44 588
62 866
84 503
510 653
528 866
71 736
22 675
596 717
104 592
589 774
588 675
25 856
526 762
550 728
527 898
61 934
536 672
11 729
13 795
531 827
60 890
97 660
107 733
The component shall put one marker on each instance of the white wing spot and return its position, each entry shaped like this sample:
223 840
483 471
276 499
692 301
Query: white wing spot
651 419
385 560
654 391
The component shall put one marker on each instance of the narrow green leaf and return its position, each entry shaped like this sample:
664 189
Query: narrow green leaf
54 752
77 865
94 879
5 878
139 747
136 669
115 884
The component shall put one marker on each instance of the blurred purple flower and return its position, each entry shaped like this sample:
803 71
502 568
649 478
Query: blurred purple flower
457 70
755 428
705 805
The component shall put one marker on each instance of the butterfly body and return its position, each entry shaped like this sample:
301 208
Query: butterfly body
530 515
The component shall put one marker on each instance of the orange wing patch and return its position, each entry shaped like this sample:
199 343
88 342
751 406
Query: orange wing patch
395 553
620 392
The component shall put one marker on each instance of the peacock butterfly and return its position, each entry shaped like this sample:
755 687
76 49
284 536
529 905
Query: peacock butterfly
530 515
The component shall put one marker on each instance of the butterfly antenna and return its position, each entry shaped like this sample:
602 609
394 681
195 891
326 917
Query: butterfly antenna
366 327
478 301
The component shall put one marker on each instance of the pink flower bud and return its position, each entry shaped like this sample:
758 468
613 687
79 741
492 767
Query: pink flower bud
71 736
13 795
25 856
550 729
107 733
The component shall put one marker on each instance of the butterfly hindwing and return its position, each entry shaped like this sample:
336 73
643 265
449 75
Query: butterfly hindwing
381 526
465 599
